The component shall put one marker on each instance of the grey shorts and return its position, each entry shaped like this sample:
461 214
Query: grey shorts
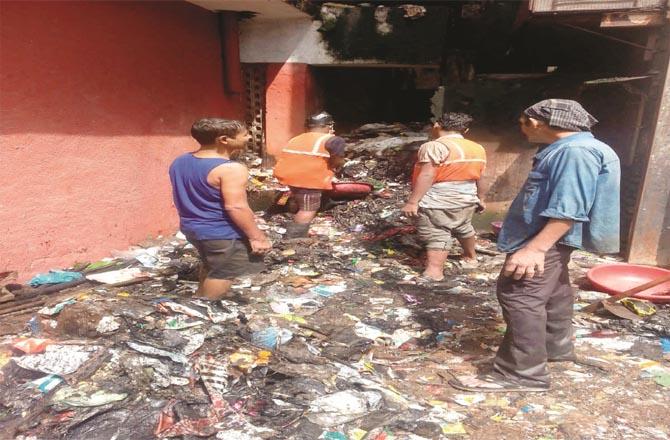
227 259
438 227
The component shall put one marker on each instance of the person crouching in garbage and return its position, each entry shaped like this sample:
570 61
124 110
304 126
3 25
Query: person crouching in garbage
209 191
307 165
446 193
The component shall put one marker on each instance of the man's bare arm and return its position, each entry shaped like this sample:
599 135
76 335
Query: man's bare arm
234 192
423 183
480 195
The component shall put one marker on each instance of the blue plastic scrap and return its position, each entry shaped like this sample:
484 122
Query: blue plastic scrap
55 277
665 344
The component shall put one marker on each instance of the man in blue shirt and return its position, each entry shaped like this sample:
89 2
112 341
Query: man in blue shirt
569 201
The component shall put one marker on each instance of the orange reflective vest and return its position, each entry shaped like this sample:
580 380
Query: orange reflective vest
303 163
466 161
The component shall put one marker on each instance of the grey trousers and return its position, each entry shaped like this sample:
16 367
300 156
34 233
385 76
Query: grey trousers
538 313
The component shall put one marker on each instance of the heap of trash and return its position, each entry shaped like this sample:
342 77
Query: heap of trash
335 340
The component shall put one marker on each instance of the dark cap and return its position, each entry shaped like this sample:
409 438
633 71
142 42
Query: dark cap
564 114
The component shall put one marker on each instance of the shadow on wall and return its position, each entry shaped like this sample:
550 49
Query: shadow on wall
663 251
97 99
509 158
106 68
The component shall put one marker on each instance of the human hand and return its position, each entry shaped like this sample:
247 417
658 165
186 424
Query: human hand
411 209
260 245
481 207
524 263
336 163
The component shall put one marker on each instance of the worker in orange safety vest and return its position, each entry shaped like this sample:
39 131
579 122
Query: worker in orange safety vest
307 165
446 192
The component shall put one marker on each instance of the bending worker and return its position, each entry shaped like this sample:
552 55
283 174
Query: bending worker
446 193
307 165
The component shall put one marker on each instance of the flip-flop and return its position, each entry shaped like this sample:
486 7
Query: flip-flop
584 362
493 384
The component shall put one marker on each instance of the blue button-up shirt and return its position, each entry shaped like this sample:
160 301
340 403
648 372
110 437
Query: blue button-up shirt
575 178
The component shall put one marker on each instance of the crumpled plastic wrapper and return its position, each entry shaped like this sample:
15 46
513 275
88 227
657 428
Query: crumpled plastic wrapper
58 359
148 349
108 324
214 374
342 407
86 394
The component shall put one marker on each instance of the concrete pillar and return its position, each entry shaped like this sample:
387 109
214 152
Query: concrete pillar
650 232
289 99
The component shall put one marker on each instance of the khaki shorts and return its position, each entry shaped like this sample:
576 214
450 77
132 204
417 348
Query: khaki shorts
438 227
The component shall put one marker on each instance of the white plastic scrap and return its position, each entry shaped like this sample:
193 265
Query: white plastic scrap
107 324
391 396
56 309
57 359
214 374
289 305
148 349
617 344
399 336
469 399
86 394
117 276
246 432
195 341
439 414
147 260
368 331
179 308
342 407
219 317
160 371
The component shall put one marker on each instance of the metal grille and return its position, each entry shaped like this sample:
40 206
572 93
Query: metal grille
254 83
591 5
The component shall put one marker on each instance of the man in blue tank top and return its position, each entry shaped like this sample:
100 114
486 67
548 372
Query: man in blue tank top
209 191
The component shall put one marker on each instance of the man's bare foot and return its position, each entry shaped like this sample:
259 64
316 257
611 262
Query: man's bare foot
468 263
433 276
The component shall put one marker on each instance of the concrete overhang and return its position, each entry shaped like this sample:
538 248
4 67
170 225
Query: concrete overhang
264 9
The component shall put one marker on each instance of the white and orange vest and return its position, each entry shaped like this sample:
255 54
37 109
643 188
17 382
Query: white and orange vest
303 163
466 161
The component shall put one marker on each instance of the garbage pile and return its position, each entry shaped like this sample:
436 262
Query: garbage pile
335 340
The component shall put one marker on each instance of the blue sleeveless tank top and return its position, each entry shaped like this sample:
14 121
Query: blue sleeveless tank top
200 205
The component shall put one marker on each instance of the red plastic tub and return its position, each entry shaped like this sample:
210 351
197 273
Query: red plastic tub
617 278
496 227
350 190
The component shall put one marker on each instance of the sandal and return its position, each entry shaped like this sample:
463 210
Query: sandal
490 383
584 362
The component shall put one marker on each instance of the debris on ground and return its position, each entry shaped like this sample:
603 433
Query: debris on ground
336 340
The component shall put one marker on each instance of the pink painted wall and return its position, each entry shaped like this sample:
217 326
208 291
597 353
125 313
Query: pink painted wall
290 97
97 98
